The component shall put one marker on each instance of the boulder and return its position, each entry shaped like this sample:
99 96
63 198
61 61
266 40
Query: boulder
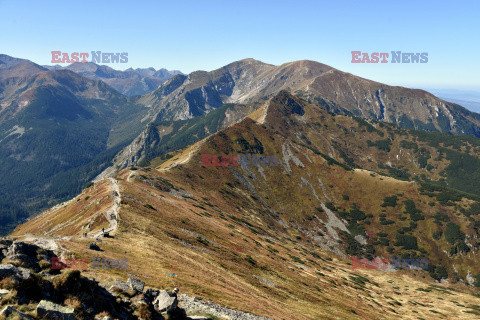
94 246
49 310
164 302
136 284
23 273
121 285
7 270
150 295
26 261
9 310
19 247
3 292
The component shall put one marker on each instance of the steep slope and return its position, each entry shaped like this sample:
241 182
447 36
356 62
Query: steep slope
58 130
163 137
15 67
249 80
277 240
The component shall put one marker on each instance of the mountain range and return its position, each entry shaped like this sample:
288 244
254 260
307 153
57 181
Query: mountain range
130 82
102 130
361 170
278 240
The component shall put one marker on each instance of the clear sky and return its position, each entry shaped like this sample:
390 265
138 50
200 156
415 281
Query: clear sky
205 35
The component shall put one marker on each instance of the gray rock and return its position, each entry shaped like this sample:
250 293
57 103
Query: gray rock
9 310
164 302
3 292
136 284
19 247
120 285
7 270
49 310
26 261
23 273
194 305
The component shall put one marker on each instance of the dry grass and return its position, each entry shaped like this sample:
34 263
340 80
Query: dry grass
222 237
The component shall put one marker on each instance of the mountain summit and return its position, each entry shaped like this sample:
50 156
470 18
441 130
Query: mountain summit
249 80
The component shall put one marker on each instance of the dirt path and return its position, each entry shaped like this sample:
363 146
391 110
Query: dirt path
112 214
51 242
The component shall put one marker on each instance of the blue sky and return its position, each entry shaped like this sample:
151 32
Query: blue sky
205 35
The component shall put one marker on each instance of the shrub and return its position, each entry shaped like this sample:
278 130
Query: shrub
437 272
250 260
383 145
297 259
409 145
437 234
440 217
477 280
386 222
390 201
453 233
412 210
149 207
144 312
408 242
203 241
330 206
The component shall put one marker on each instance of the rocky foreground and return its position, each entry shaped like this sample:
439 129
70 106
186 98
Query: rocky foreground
31 289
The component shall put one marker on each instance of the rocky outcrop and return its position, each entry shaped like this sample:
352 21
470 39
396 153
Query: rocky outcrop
165 302
124 300
194 305
10 311
136 284
9 270
49 310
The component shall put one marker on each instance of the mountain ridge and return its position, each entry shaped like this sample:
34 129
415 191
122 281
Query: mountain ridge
288 232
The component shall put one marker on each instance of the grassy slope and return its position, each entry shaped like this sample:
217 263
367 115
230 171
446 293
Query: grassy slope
245 238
